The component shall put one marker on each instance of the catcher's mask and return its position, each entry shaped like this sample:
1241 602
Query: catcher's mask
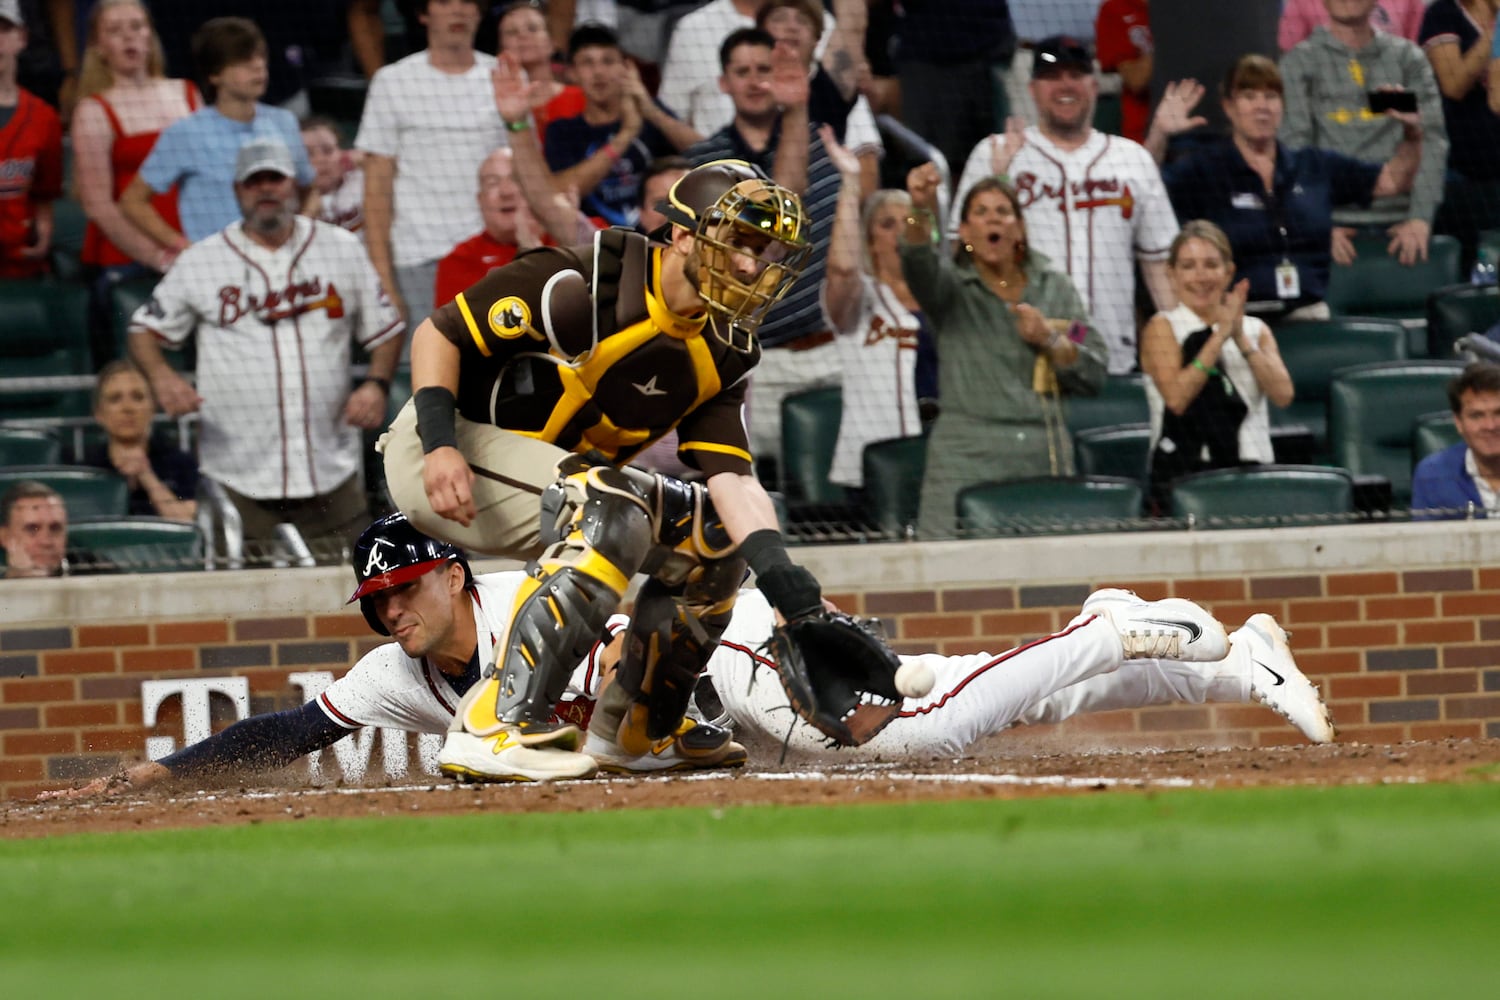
750 242
391 552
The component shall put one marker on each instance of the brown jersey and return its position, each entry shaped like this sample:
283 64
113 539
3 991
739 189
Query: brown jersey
574 346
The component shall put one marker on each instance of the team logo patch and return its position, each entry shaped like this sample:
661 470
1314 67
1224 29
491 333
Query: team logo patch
510 318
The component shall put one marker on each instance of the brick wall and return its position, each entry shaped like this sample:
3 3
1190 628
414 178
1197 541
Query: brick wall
1400 624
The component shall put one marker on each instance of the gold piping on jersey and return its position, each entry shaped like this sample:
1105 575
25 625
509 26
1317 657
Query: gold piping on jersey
721 449
463 310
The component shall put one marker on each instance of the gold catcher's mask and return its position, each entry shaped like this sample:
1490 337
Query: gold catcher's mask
750 242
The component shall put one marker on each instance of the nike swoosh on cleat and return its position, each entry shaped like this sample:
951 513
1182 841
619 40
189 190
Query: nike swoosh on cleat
1280 680
1194 632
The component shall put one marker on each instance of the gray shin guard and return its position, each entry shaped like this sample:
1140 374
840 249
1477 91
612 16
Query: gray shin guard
551 633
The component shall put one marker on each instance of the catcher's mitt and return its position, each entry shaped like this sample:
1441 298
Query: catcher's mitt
839 675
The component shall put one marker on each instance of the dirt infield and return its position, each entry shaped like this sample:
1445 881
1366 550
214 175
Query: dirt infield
999 768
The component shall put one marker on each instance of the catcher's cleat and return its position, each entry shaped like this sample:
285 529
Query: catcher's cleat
524 752
1277 682
695 746
1173 629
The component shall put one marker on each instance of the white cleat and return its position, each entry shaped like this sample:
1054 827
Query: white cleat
1277 682
695 746
503 756
1172 629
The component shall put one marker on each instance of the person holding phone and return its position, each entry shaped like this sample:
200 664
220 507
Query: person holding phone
1274 202
1339 82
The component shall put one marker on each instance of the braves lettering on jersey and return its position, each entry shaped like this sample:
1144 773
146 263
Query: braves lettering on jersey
1092 211
274 331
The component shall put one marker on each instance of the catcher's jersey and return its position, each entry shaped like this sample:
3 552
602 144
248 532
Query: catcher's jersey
574 346
1091 211
389 689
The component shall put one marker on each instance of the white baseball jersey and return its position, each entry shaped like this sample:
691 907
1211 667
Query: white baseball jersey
273 333
878 355
344 206
389 689
1093 211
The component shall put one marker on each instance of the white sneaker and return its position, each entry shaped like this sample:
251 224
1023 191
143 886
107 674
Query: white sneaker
1173 629
1277 683
504 756
695 746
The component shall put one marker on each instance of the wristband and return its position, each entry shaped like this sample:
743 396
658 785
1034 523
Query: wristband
436 418
608 149
384 383
519 125
1207 371
790 588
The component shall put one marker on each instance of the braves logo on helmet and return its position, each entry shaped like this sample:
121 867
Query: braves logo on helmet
392 552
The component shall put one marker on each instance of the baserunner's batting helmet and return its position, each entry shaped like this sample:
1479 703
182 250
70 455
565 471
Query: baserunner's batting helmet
391 552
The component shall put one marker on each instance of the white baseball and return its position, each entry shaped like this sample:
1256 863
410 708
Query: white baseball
915 679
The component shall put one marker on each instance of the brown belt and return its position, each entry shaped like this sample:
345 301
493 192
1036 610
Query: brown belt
806 342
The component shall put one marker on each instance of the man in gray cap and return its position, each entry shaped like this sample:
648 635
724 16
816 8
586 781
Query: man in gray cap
276 299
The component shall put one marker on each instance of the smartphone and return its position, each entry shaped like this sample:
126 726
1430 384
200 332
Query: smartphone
1393 100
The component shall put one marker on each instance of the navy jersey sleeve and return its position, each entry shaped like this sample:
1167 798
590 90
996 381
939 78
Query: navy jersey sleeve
1351 181
259 743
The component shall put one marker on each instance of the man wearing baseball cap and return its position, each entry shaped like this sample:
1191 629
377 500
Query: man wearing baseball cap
1094 204
276 299
31 166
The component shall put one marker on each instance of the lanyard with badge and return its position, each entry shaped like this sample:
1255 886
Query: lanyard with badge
1288 282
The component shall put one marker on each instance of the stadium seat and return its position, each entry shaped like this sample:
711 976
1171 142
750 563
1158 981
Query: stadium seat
1432 432
43 332
68 224
1371 412
86 492
25 446
137 544
1314 351
1379 285
893 482
809 431
125 297
1262 496
1123 451
1456 311
1048 505
1121 401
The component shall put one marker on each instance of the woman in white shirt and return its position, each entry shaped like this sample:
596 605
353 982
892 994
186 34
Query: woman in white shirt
1210 368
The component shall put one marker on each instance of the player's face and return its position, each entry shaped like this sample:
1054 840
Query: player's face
993 228
124 39
451 22
245 81
1200 276
747 81
35 537
326 157
789 27
1350 12
499 197
1065 99
418 614
125 407
523 36
267 201
599 72
1478 421
1254 114
653 192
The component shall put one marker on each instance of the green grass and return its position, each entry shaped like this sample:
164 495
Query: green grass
1357 892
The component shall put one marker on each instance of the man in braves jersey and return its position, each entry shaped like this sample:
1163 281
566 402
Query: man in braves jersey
1094 203
31 160
444 621
274 301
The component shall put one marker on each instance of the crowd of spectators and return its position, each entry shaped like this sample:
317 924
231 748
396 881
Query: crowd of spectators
1036 255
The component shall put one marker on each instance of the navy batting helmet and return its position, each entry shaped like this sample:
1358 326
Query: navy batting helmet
391 552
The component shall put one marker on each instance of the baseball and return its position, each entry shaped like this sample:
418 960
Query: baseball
914 680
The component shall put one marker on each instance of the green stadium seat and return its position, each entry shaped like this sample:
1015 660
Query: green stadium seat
1379 285
809 431
1123 451
1457 311
1121 401
1371 412
68 225
137 544
1314 351
86 492
27 446
1263 496
1048 505
1432 432
43 332
893 471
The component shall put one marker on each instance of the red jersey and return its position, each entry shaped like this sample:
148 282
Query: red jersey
1122 33
31 173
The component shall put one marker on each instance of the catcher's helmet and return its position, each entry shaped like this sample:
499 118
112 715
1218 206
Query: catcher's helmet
751 241
391 552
